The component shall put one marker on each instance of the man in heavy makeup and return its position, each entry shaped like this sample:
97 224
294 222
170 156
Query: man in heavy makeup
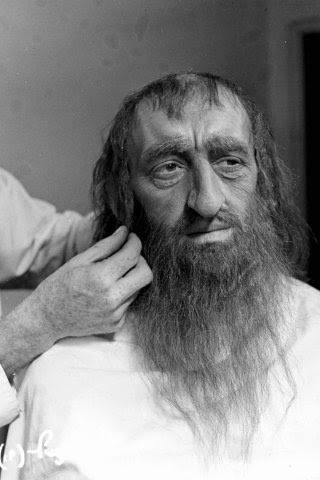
210 347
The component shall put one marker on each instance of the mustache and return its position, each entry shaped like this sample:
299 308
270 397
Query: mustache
224 217
144 226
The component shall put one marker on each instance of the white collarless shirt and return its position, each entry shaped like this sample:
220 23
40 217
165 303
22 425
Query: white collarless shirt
85 402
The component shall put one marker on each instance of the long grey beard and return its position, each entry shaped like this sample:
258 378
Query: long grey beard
211 325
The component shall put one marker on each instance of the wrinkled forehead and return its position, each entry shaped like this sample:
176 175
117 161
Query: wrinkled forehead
196 117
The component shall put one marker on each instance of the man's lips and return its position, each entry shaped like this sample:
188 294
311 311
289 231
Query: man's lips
203 230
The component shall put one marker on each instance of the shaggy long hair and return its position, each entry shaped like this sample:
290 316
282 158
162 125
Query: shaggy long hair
112 195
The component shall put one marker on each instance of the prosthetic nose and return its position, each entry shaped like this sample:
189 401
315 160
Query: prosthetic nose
206 196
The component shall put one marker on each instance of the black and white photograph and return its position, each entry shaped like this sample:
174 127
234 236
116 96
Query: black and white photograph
159 240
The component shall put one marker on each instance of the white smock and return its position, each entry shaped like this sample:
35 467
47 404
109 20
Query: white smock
88 412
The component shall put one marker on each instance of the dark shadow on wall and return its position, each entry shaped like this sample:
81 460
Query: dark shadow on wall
311 53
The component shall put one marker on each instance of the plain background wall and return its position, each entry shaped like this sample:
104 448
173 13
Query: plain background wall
65 66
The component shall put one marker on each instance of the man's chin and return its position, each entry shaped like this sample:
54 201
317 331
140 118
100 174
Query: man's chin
221 235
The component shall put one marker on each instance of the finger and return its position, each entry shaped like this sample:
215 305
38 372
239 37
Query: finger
140 276
120 314
121 262
103 249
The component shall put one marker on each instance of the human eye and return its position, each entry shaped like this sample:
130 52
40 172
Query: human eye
167 174
229 167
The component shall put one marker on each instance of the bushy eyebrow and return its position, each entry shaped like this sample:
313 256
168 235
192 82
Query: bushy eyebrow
170 146
217 146
221 145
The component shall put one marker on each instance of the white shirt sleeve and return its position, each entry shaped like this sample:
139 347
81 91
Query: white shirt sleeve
35 239
9 408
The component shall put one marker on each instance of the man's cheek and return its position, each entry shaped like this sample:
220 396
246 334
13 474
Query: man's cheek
242 204
164 210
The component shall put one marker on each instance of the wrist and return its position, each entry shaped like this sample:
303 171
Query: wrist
24 335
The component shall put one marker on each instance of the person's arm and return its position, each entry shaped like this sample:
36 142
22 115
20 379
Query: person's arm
35 239
88 295
9 408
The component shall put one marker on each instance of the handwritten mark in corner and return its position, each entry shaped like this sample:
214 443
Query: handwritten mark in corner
42 450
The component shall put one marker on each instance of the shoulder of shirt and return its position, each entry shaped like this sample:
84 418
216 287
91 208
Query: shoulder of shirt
305 295
71 354
6 178
304 308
